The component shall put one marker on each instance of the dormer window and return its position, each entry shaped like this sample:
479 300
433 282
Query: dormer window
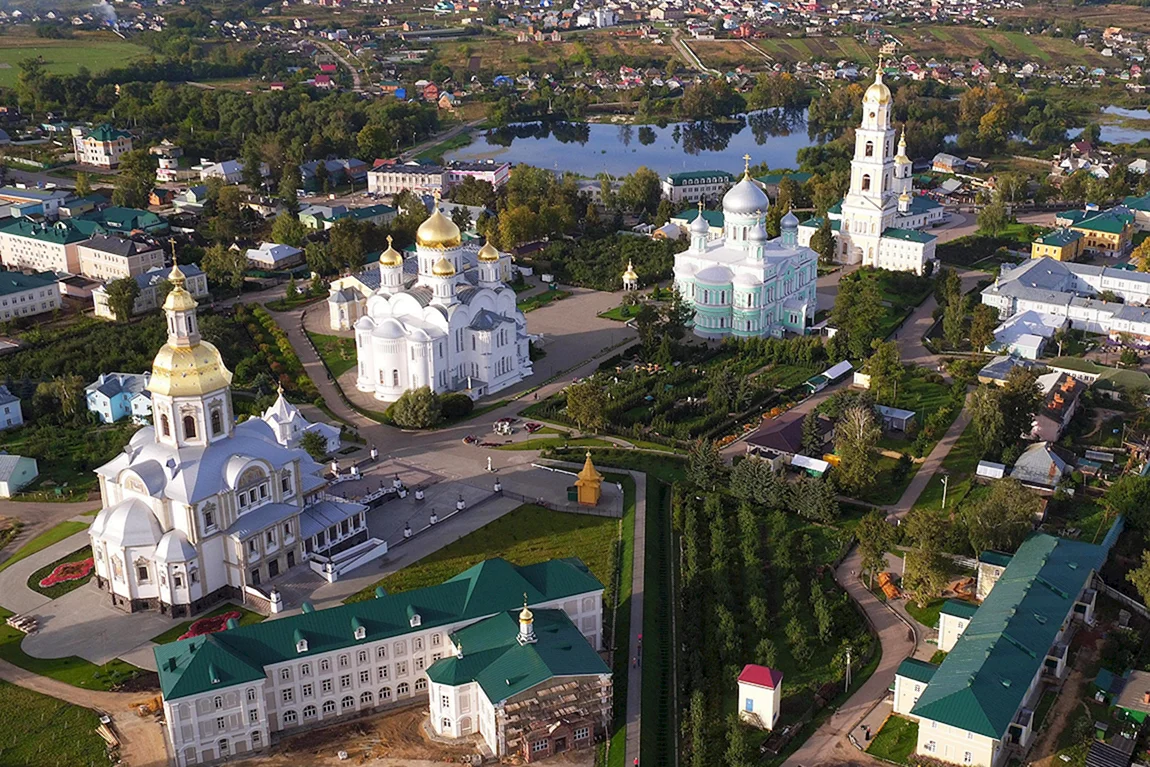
301 646
413 617
360 632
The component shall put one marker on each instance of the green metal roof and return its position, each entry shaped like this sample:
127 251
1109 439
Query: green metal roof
816 222
63 232
715 176
106 132
1060 238
998 558
918 670
910 235
836 209
714 217
1138 203
16 282
239 655
1108 222
983 681
1108 378
959 608
1073 216
493 657
127 219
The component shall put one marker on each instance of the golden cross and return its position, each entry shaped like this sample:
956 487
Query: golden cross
747 164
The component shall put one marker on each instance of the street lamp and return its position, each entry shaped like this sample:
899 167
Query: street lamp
945 484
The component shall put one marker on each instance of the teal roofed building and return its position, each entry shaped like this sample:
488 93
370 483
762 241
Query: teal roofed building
100 145
695 185
328 666
527 681
977 707
37 246
128 220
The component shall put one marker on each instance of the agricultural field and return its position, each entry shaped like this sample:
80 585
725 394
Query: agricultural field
44 731
96 50
963 42
831 49
503 55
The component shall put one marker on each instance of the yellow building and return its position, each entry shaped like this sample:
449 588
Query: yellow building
1061 245
589 483
1108 233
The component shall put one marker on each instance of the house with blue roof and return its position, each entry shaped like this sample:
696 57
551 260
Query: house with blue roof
977 706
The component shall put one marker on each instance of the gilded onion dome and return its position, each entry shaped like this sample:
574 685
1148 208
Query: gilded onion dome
878 90
186 366
904 197
630 275
443 268
391 256
438 232
488 253
901 157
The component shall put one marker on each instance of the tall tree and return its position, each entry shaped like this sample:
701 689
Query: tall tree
289 183
416 409
1002 518
586 402
1130 496
993 218
224 266
641 191
812 435
987 418
856 436
287 229
704 465
875 536
885 370
982 325
135 178
1021 399
954 318
83 185
1140 577
823 241
122 295
253 166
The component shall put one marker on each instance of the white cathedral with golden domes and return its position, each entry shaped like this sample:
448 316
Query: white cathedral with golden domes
444 319
198 509
879 223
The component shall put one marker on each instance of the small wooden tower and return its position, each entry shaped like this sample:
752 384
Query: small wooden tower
589 483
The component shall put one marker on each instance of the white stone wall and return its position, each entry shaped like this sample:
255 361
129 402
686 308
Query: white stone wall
907 691
950 628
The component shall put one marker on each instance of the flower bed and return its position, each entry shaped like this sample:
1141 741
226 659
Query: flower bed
69 571
211 624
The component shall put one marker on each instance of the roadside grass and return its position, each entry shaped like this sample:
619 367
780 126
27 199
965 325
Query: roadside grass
959 464
540 300
927 616
887 489
60 589
895 741
540 444
337 352
524 536
247 618
46 732
71 670
44 540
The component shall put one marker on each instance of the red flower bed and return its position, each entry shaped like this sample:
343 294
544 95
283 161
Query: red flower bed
210 625
69 571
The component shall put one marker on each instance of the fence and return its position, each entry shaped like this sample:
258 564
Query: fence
570 508
1110 591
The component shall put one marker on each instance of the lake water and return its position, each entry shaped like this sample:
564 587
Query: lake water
771 136
1117 129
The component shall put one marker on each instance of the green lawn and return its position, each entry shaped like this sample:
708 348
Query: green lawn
524 536
658 736
539 444
60 589
938 657
927 616
247 617
97 52
960 465
44 540
886 489
542 299
620 313
896 740
71 670
337 352
46 732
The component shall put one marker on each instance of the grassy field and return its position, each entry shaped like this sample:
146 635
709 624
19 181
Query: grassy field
502 54
886 489
541 299
658 741
44 540
963 42
247 617
46 732
960 465
895 741
71 670
815 48
96 51
524 536
337 352
539 444
60 589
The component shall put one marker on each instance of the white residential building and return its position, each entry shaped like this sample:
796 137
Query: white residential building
692 186
270 255
107 257
47 247
393 179
25 295
100 146
195 282
11 412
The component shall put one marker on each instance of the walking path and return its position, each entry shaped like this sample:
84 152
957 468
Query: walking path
931 465
829 744
635 675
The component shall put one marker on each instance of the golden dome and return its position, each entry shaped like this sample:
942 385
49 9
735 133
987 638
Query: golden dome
438 232
630 274
525 615
878 90
179 299
443 268
391 256
187 371
488 253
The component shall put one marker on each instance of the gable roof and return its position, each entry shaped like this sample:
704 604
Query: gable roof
959 608
1109 222
918 670
494 658
983 680
489 587
18 282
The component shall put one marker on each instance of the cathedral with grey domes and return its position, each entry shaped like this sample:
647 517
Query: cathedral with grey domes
743 283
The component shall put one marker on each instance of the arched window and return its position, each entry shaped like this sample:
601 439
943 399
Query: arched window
255 738
217 422
347 702
165 427
366 698
870 149
420 685
189 427
446 723
465 725
223 746
385 694
866 183
402 689
394 377
329 706
309 712
289 717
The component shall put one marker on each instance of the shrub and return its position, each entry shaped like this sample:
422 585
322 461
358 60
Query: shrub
456 405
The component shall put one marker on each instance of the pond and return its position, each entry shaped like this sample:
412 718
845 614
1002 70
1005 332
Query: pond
770 136
1120 125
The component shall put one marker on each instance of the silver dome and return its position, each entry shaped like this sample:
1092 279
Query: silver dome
700 225
757 234
790 221
745 198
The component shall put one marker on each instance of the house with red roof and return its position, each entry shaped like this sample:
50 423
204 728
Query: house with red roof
324 81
